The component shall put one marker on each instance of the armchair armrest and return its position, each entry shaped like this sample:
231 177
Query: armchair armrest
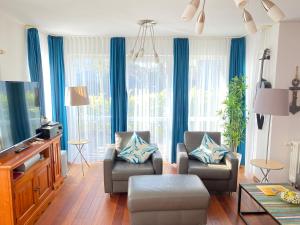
182 159
233 163
157 162
108 163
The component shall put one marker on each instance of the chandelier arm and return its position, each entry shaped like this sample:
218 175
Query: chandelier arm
203 6
142 37
137 38
152 38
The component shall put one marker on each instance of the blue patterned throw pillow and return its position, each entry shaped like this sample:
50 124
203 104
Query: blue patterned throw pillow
137 150
209 152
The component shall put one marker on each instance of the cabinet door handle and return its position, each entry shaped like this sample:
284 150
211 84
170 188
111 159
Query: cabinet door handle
36 189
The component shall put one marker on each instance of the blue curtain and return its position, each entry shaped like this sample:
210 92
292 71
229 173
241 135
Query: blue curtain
35 63
118 86
57 77
180 92
237 68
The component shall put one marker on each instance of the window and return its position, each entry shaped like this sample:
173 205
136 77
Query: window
87 63
208 81
149 88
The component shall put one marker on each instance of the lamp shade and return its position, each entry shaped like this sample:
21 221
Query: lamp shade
272 102
249 22
76 96
273 10
190 10
241 3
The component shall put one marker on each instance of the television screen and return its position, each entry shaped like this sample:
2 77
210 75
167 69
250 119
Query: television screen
20 112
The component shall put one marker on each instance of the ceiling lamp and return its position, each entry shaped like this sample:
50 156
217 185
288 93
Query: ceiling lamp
273 10
190 10
241 3
146 26
249 22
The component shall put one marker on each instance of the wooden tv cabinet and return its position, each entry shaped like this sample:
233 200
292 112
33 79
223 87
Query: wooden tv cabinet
24 198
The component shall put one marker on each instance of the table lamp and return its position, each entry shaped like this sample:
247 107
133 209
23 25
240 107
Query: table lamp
77 96
272 102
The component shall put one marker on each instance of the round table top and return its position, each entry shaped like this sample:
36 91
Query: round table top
78 142
270 164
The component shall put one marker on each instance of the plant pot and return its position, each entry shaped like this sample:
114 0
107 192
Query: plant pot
239 157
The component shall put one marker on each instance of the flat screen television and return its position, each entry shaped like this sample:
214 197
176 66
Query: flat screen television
20 113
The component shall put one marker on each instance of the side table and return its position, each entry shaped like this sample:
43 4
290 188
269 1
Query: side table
266 167
79 144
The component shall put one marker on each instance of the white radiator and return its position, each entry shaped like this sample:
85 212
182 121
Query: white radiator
294 161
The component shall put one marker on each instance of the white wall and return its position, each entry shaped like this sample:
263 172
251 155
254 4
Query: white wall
13 63
285 129
284 41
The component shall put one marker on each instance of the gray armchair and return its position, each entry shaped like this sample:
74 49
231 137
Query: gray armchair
216 177
118 171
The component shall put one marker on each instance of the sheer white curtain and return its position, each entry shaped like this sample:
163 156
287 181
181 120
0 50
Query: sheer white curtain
149 87
46 74
87 63
208 82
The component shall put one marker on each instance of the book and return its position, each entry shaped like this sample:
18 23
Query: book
271 190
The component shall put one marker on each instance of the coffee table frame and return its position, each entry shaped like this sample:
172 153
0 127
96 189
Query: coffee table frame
243 213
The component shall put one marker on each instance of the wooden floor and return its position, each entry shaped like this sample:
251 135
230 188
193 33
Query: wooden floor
82 201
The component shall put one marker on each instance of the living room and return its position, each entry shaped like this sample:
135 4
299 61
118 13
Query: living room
149 112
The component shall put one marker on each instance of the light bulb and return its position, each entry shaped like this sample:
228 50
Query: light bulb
141 53
131 53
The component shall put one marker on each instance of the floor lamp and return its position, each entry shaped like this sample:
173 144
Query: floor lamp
78 96
272 102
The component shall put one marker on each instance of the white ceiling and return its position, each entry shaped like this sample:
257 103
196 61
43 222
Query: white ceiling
119 17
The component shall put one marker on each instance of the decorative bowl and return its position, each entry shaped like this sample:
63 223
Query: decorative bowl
291 197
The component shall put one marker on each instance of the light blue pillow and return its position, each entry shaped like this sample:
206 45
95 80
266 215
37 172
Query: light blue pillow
209 152
137 150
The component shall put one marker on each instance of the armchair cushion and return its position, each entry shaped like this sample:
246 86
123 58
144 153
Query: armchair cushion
209 171
193 139
122 138
209 151
137 150
123 170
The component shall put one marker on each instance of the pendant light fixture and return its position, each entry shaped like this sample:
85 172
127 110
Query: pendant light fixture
249 22
190 10
199 26
241 3
146 27
273 11
200 23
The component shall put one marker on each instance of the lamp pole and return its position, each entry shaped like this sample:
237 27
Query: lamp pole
269 127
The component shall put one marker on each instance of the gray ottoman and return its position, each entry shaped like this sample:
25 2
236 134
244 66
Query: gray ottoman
167 200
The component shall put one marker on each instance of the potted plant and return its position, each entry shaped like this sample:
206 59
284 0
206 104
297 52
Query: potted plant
234 115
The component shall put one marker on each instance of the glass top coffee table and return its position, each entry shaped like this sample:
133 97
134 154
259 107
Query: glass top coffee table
281 212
